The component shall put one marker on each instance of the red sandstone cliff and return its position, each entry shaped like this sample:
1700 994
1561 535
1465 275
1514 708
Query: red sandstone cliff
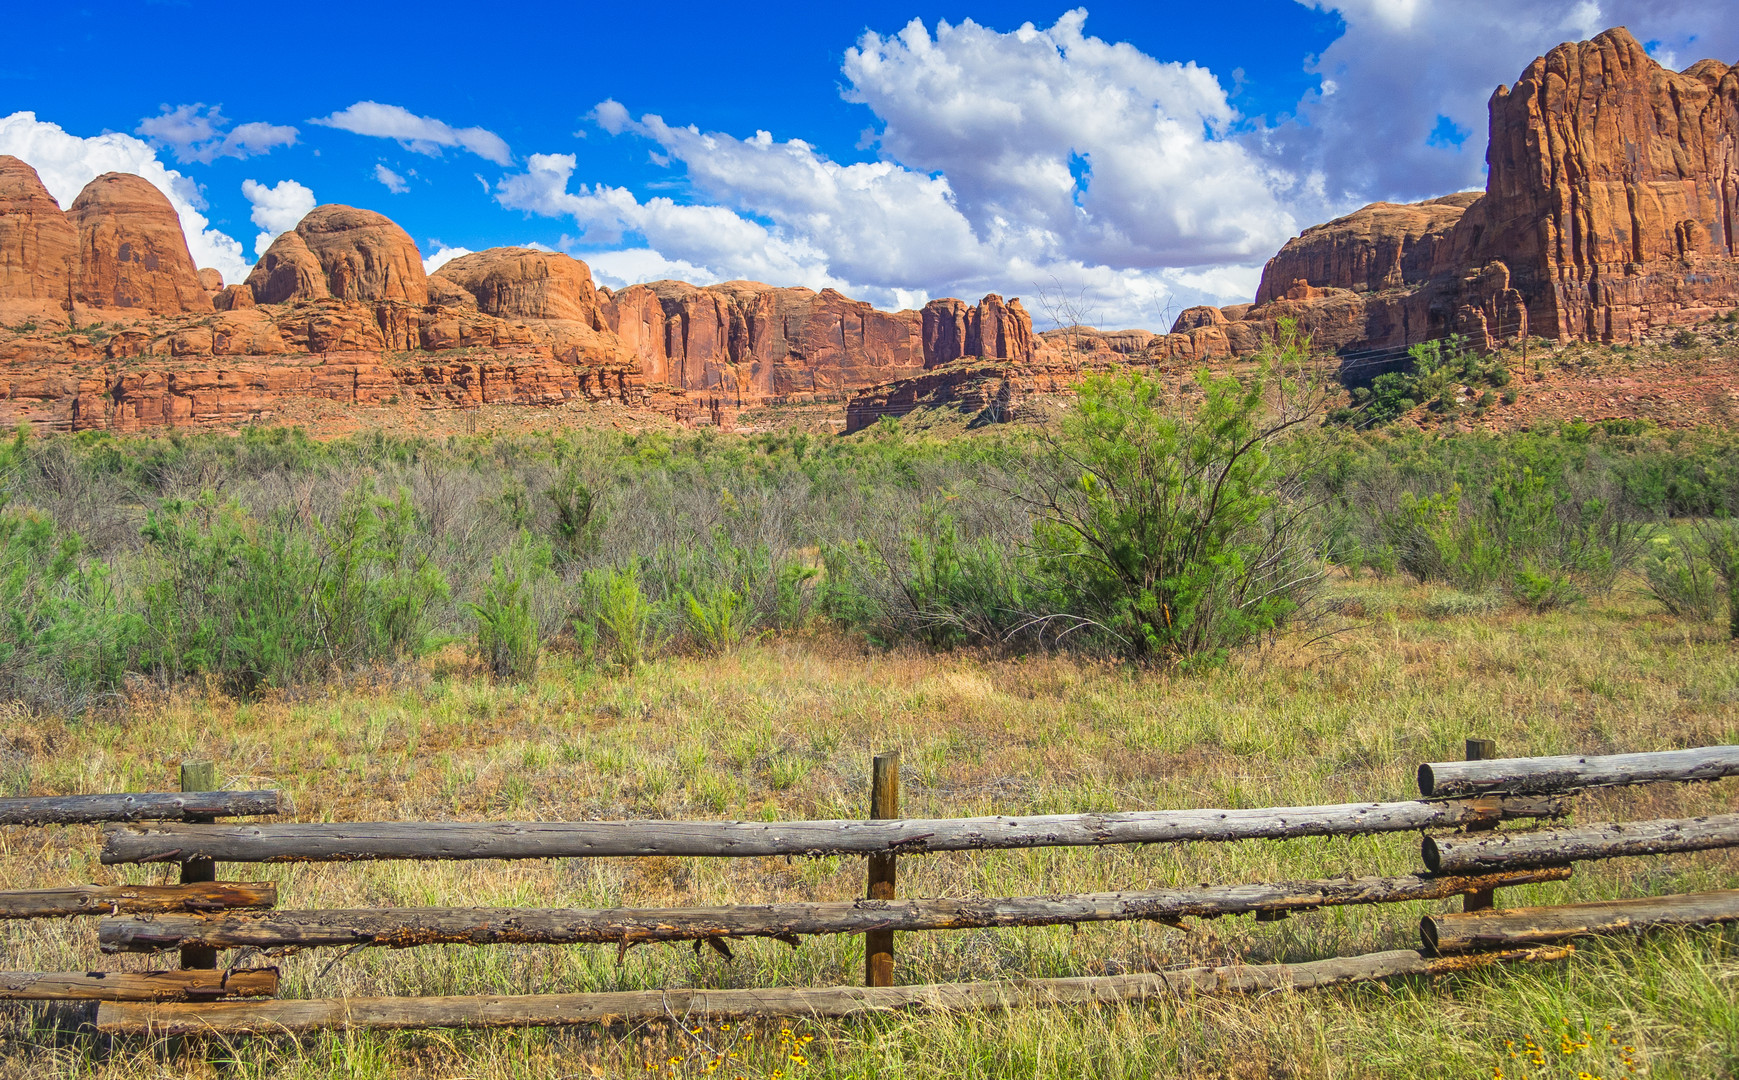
1609 210
339 310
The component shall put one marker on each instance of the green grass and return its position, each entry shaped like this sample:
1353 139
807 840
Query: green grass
785 727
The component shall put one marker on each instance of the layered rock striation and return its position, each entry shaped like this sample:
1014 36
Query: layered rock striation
1382 246
744 341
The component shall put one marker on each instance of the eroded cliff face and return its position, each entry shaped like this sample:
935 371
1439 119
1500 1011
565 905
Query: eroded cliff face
1613 190
1382 246
132 254
339 311
39 248
743 342
1609 211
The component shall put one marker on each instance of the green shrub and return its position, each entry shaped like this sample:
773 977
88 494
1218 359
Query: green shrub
64 642
377 584
576 510
1720 540
1682 579
720 619
1437 371
1545 547
228 595
267 603
628 621
1541 591
506 640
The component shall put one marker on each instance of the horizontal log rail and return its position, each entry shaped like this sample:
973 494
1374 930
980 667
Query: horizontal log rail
137 985
406 927
1521 927
549 1010
340 842
76 900
144 806
1556 775
1483 853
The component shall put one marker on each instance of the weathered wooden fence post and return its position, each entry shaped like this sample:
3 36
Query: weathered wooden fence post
198 776
878 945
1480 750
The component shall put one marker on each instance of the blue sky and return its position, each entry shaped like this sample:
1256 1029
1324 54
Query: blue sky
1132 157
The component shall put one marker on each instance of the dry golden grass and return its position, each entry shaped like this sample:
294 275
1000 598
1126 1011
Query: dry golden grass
785 729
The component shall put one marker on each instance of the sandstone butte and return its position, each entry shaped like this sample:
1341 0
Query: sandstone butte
1609 213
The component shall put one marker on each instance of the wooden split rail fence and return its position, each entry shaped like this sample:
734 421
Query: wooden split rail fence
202 916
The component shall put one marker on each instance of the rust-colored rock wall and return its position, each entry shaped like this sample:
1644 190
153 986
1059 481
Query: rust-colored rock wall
992 329
1382 246
748 342
38 245
1613 190
132 253
1611 209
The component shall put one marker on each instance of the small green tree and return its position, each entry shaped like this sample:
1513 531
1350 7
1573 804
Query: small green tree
1178 533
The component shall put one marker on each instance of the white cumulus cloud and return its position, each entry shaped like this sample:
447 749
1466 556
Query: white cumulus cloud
277 209
392 180
68 162
442 256
420 134
197 133
1040 159
1112 156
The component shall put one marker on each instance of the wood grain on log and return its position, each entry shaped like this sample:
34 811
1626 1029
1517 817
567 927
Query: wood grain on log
406 927
1555 775
1480 853
114 899
1517 927
545 1010
136 985
170 842
84 809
